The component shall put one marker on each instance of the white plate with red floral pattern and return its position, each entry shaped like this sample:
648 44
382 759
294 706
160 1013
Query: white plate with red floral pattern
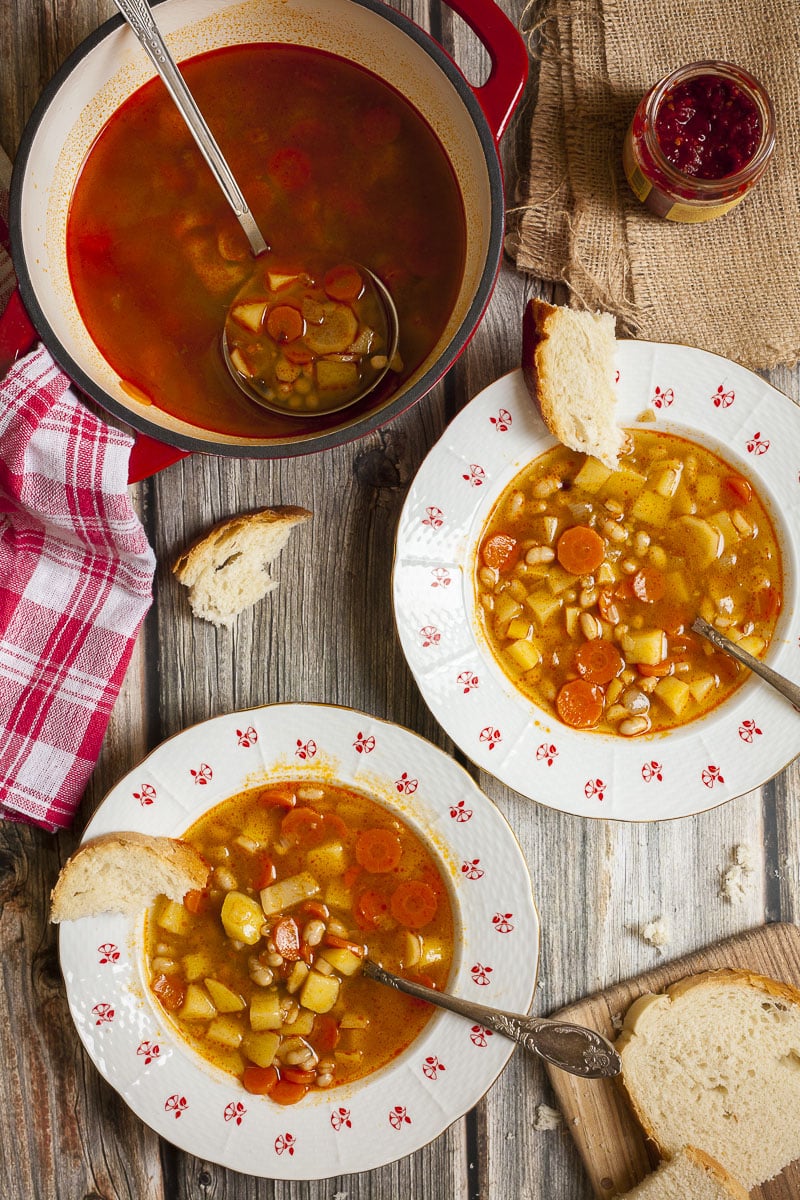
742 743
442 1074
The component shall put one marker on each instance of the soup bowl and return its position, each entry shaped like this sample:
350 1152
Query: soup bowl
110 66
443 1072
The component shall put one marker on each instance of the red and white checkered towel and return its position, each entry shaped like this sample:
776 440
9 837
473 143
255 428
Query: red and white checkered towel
76 575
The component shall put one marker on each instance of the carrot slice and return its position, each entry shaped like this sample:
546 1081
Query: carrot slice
286 937
304 825
334 826
298 1075
500 552
351 875
316 909
656 670
277 798
414 904
607 606
333 939
325 1034
196 901
764 604
598 661
343 283
266 873
579 703
259 1081
580 550
378 850
287 1092
285 323
648 585
739 488
372 911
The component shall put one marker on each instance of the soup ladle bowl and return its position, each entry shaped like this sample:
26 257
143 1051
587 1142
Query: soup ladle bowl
296 341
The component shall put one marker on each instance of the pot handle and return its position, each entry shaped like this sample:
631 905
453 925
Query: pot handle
149 456
497 97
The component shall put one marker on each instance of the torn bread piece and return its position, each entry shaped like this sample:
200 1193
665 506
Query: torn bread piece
124 873
227 570
568 364
691 1173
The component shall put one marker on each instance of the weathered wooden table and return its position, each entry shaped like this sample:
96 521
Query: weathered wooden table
327 634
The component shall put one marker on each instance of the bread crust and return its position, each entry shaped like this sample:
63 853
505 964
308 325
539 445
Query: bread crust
188 563
722 1174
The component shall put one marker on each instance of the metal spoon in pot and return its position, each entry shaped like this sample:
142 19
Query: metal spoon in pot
281 372
572 1048
788 689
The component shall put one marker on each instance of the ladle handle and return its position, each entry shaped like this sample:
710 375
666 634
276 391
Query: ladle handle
140 19
785 686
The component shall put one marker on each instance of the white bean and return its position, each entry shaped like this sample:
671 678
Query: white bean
225 879
546 487
633 726
540 554
590 626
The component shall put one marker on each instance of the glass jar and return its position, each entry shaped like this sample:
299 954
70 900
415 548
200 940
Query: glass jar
698 141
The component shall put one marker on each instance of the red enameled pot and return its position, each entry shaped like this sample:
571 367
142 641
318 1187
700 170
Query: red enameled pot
110 65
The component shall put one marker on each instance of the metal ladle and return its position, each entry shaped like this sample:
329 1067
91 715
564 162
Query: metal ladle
572 1048
140 19
786 688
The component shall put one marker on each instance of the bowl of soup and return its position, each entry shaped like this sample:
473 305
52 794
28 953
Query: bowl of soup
237 1023
353 137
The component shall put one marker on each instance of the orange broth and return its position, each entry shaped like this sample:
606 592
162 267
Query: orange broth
334 165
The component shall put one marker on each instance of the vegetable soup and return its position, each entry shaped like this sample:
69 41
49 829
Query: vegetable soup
588 581
335 166
261 972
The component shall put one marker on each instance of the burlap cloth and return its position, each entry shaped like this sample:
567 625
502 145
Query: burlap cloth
731 285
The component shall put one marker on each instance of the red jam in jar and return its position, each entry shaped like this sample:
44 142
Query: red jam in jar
699 140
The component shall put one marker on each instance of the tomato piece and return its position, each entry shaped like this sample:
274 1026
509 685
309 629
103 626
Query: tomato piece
286 937
259 1081
372 911
598 661
170 991
579 704
304 825
649 585
580 550
287 1092
378 850
266 873
500 552
414 903
196 901
325 1034
277 798
740 488
343 283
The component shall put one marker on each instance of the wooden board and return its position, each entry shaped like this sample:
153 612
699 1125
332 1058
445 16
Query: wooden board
611 1144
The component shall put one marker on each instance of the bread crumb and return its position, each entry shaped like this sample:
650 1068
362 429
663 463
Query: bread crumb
617 1021
656 933
738 880
546 1118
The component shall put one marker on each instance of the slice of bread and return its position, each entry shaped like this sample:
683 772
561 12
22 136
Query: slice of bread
715 1062
227 570
690 1175
568 364
124 872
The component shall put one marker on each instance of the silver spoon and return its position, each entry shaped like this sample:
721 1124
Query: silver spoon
139 17
572 1048
790 690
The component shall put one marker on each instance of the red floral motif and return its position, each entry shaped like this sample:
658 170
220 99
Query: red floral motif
476 475
433 517
663 399
479 1036
653 770
757 444
503 421
364 745
473 869
430 636
340 1119
398 1117
490 736
148 1051
468 680
104 1013
459 812
405 785
305 749
108 952
247 737
285 1143
711 775
748 731
503 923
546 753
234 1111
146 795
441 577
723 399
202 774
616 376
594 789
431 1067
480 975
177 1105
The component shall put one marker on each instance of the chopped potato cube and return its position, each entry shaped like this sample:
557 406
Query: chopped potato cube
753 645
225 999
265 1011
676 588
250 314
196 966
297 977
198 1005
341 959
336 895
543 605
592 475
722 521
261 1048
572 616
525 654
505 609
652 508
174 918
328 860
708 489
354 1020
701 687
623 485
242 918
519 628
289 891
648 646
225 1031
319 992
674 693
412 948
302 1025
559 580
703 542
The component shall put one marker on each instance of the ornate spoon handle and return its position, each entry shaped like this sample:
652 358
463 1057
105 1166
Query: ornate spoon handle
573 1048
788 689
140 19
